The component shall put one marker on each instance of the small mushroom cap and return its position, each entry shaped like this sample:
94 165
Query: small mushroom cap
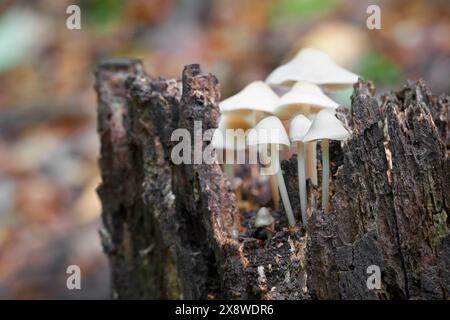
263 218
326 126
233 120
270 130
257 96
304 97
224 136
312 65
298 127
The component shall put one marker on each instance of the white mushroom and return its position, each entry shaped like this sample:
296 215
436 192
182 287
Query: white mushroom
315 66
326 127
307 99
270 132
263 218
298 128
253 103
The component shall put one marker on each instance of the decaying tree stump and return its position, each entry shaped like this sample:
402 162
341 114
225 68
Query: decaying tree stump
172 231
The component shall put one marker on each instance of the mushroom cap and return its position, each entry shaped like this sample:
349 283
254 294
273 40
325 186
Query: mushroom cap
224 139
303 97
257 96
313 65
326 126
263 218
270 130
298 127
234 120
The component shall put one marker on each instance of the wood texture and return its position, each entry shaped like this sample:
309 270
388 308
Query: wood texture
172 231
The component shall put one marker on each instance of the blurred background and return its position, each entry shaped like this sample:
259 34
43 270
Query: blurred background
49 211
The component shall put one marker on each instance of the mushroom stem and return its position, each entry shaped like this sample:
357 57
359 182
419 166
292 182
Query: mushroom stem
275 163
285 197
272 181
254 168
312 161
311 157
272 184
274 190
229 170
253 163
325 173
302 180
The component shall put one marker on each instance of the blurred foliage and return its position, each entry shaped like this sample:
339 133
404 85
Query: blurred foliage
343 97
18 35
287 11
376 67
103 14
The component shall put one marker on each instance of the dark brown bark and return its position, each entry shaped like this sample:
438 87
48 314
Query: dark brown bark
172 231
390 204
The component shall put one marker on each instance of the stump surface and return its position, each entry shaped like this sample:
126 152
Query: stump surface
172 231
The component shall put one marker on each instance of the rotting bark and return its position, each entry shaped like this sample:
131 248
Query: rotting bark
390 204
131 236
172 231
172 228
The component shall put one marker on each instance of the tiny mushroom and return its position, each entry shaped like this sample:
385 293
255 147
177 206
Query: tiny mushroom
263 218
307 99
270 132
253 103
326 127
223 140
298 128
315 66
256 101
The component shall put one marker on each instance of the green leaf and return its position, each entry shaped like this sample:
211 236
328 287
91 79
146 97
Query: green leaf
376 67
102 14
286 11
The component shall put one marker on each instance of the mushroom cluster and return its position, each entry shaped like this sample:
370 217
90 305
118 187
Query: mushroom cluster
305 109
